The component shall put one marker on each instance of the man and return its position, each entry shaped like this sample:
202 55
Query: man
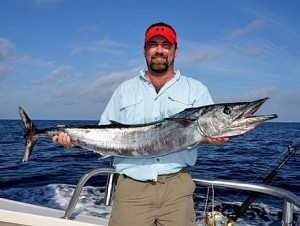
154 191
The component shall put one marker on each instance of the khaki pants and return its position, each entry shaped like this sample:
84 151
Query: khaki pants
167 202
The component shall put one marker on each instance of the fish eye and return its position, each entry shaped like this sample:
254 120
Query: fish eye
227 110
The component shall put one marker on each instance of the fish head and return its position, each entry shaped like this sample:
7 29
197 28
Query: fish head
230 119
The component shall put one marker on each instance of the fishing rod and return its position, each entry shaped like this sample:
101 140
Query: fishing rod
233 217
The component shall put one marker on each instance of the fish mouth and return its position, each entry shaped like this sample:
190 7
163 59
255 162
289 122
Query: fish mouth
251 108
247 121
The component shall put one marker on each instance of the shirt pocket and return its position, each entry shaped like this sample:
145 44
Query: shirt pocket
178 103
132 110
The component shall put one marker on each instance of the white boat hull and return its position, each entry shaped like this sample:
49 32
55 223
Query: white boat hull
13 213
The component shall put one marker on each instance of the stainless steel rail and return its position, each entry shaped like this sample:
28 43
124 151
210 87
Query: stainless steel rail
261 188
291 201
79 187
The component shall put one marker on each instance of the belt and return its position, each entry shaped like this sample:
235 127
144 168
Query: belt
160 178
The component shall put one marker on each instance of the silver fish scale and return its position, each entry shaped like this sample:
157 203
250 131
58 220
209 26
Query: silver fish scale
136 142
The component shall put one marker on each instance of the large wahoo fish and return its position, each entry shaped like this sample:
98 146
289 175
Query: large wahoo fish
183 130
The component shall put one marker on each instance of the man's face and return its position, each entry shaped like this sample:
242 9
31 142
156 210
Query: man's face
160 54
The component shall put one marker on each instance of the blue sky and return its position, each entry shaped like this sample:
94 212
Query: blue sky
62 59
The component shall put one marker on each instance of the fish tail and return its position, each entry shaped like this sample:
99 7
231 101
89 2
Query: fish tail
30 134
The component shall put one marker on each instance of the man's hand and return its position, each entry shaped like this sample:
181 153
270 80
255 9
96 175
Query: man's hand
216 141
63 139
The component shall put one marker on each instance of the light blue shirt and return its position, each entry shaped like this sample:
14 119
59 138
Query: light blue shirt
136 102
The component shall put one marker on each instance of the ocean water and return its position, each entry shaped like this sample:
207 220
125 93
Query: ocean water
50 176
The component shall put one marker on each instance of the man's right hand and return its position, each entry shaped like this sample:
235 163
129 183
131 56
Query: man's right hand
63 139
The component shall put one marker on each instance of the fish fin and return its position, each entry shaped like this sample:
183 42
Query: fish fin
193 146
30 131
182 121
105 156
115 122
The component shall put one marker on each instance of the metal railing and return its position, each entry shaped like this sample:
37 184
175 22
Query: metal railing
79 187
291 201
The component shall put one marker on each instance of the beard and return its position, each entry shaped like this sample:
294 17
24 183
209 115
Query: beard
159 63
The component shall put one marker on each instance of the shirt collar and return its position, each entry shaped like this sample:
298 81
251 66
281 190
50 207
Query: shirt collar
142 75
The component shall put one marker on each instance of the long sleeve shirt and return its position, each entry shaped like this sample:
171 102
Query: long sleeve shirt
136 102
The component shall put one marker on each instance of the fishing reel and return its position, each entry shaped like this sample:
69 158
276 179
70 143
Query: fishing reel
216 218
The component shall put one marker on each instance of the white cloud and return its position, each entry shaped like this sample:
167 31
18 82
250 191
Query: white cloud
208 54
4 70
251 27
259 93
27 59
57 74
252 51
6 49
95 91
280 23
104 45
102 88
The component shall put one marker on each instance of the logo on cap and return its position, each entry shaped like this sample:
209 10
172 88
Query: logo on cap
166 32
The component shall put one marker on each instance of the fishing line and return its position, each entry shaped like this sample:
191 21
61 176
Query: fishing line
212 199
213 218
276 159
240 192
242 209
269 166
280 156
206 202
216 218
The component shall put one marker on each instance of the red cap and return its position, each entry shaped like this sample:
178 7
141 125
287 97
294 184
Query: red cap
166 32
